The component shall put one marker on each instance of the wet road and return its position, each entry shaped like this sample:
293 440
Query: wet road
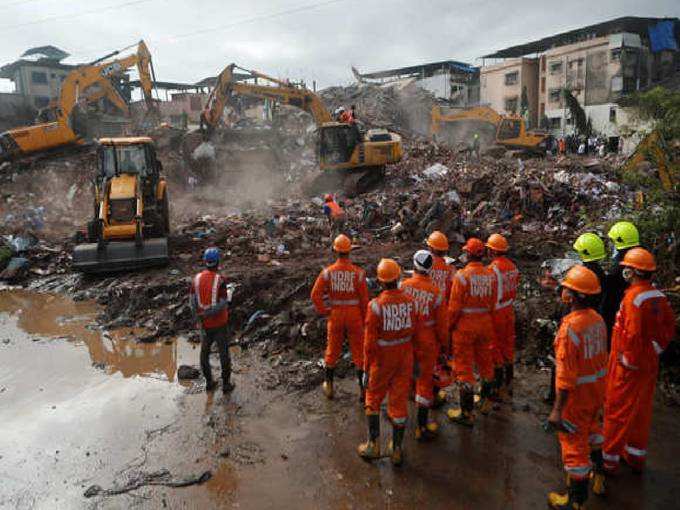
78 407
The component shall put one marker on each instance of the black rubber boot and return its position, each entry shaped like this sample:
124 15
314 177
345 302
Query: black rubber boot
396 452
362 389
438 401
227 385
498 381
597 476
328 383
509 376
464 415
485 403
577 494
370 450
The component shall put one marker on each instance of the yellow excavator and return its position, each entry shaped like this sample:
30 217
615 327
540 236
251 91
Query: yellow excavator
357 158
654 149
62 123
131 219
493 128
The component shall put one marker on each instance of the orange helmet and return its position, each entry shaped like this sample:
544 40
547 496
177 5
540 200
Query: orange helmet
639 258
474 246
582 280
438 241
388 270
497 242
328 197
342 244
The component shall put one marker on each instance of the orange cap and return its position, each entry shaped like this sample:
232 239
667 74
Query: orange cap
388 270
342 244
639 258
581 279
438 241
497 242
474 246
328 197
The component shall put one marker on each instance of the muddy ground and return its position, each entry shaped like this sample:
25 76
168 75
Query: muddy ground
83 407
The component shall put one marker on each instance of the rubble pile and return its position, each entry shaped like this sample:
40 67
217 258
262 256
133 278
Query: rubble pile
402 107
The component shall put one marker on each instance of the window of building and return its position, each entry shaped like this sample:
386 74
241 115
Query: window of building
576 63
195 103
612 114
555 122
41 101
615 55
543 84
511 104
556 67
39 77
554 96
512 78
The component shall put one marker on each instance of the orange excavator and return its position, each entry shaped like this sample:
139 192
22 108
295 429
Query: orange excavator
357 158
493 128
63 122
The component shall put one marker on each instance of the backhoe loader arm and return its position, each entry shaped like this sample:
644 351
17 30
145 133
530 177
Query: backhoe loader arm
282 92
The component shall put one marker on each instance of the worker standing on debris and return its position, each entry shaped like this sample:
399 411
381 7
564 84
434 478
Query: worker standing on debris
391 325
473 297
591 251
644 327
624 236
431 341
209 298
344 285
441 273
476 146
581 363
335 214
507 279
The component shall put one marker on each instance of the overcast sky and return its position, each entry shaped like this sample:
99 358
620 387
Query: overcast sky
310 39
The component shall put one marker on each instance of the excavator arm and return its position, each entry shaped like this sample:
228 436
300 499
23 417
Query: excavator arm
283 92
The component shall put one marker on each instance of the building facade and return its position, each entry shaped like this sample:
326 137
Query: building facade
511 87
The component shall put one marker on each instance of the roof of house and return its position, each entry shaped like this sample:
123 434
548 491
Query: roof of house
428 69
48 52
8 70
629 24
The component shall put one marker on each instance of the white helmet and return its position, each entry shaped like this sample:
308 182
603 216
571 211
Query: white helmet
422 261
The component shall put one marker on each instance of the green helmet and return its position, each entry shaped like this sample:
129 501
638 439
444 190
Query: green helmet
624 235
590 247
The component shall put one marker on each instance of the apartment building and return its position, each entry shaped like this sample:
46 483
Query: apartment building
598 64
511 87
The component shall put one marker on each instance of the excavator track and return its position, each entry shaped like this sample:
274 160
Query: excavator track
351 182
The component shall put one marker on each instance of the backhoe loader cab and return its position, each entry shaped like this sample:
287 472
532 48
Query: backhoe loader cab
131 220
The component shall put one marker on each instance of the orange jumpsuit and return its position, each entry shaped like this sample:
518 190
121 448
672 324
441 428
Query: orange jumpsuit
507 277
442 275
644 327
473 296
581 368
391 323
345 286
433 335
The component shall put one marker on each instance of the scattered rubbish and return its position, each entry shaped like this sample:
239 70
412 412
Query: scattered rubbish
185 372
162 477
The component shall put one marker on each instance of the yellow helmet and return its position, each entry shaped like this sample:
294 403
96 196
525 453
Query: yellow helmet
624 235
590 247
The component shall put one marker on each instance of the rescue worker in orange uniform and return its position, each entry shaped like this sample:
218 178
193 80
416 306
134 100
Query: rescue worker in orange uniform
643 329
581 368
507 278
344 284
335 214
431 342
441 273
209 299
473 297
392 323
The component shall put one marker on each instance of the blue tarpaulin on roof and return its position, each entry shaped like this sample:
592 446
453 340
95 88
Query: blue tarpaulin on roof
662 36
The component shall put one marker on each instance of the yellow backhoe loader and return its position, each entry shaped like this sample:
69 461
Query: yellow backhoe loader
131 220
345 152
654 149
62 123
493 128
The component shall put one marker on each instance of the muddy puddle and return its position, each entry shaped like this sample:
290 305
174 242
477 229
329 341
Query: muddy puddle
80 407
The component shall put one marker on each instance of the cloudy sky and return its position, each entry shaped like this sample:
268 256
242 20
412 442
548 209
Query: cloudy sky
310 39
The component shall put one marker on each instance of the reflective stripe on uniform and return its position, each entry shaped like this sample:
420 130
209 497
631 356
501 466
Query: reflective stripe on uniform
398 421
578 470
571 428
504 304
384 342
461 278
345 302
325 274
499 278
375 308
591 378
475 310
657 348
610 458
429 323
644 296
636 451
213 293
596 439
574 337
422 400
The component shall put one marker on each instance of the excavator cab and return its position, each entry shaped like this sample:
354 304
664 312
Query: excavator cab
131 218
337 142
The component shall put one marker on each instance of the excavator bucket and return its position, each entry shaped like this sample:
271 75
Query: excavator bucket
120 256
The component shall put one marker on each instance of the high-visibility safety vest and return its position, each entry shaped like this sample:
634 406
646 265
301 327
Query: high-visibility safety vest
206 288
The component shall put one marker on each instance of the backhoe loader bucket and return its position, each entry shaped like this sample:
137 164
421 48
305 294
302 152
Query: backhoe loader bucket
120 256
